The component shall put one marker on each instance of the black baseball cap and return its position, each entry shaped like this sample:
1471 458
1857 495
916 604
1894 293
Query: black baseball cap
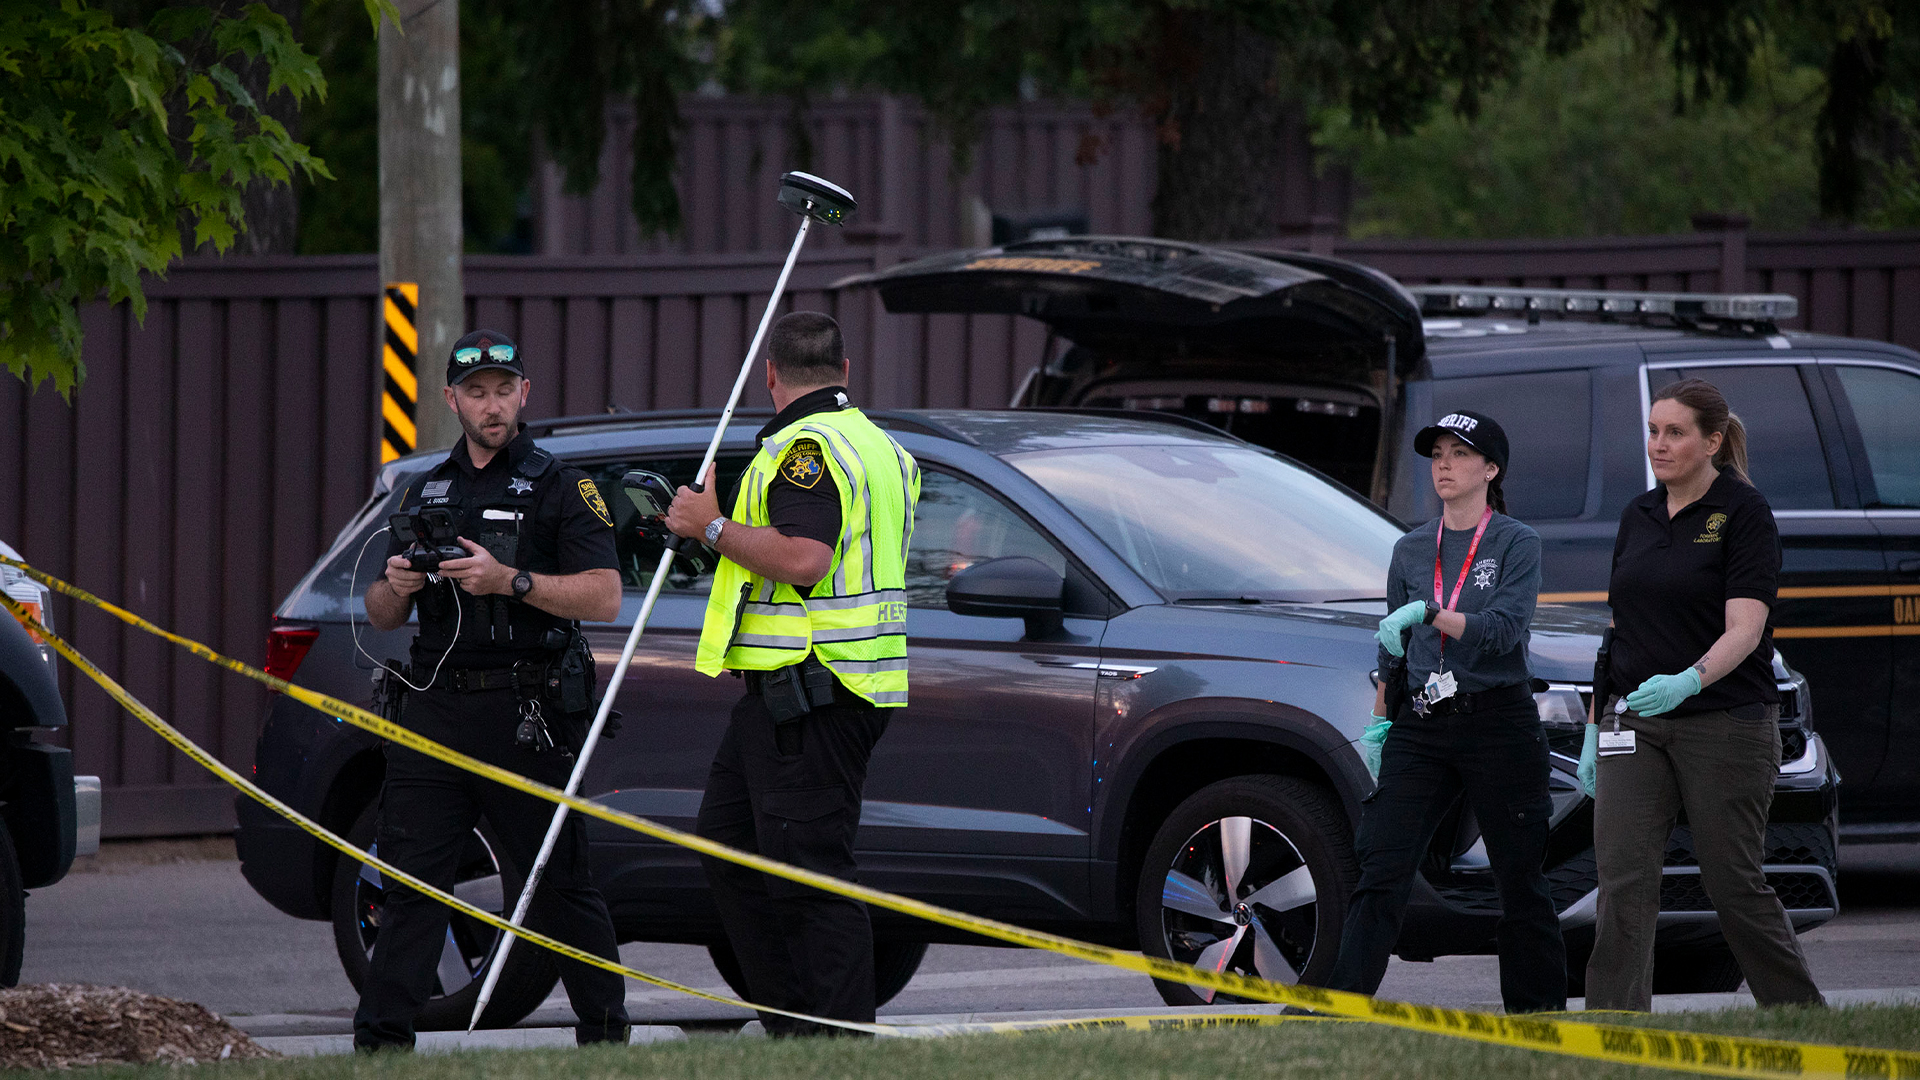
480 350
1477 430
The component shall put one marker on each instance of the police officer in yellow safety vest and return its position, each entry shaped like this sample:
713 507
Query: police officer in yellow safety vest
809 602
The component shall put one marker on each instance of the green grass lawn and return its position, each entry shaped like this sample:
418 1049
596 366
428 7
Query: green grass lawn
1302 1050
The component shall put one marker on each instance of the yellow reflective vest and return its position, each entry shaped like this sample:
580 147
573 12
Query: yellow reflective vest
854 619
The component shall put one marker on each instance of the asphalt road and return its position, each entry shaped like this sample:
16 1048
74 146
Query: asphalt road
177 919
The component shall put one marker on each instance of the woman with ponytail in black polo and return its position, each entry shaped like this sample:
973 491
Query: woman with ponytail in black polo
1695 569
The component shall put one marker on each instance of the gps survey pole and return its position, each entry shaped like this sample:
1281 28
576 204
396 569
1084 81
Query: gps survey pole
814 200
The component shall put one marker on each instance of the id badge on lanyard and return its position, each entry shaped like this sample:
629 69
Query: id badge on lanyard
1441 685
1615 742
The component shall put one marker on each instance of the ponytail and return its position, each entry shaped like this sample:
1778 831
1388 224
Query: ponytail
1710 412
1733 449
1496 497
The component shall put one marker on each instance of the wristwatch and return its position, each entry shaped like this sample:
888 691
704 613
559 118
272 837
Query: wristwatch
713 530
1433 612
522 584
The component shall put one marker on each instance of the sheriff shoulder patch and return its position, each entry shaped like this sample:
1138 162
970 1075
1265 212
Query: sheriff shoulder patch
591 496
803 464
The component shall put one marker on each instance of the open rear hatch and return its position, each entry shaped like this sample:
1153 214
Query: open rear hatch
1293 351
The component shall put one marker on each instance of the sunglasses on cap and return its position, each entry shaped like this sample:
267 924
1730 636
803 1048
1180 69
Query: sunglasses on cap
499 354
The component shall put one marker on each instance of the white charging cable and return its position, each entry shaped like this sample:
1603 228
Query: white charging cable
353 627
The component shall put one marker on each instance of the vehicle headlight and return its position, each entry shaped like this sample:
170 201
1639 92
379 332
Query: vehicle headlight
1562 708
1563 715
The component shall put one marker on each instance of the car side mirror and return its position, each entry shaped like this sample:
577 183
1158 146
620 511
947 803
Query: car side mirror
1016 587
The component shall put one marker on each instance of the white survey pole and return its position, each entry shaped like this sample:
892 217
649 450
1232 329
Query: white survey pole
499 960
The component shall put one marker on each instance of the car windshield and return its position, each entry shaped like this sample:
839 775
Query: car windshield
1221 522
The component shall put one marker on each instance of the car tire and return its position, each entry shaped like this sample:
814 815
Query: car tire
13 912
894 965
1291 887
1696 969
356 905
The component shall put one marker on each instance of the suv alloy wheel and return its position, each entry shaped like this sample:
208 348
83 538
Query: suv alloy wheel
1249 875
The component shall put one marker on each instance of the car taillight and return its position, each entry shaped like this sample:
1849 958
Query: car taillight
286 647
33 609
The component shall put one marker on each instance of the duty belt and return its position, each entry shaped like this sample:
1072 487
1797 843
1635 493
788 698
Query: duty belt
1481 701
474 680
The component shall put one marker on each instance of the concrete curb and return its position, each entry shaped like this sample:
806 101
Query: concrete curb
525 1038
447 1042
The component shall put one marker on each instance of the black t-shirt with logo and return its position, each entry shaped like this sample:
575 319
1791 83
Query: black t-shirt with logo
1671 582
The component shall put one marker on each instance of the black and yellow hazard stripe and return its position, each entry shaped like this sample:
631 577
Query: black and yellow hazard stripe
1553 1034
400 393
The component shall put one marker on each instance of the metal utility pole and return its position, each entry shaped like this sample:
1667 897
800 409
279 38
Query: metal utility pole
420 231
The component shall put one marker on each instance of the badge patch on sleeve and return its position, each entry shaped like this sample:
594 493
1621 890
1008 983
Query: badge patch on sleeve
803 464
591 496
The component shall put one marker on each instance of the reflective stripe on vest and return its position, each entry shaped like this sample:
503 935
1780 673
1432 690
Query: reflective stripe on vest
854 619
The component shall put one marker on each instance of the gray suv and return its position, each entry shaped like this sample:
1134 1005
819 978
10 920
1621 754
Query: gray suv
1156 743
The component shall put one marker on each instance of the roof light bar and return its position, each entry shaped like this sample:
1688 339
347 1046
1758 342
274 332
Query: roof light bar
1682 307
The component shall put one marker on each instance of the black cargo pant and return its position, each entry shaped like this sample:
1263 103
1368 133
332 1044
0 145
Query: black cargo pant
792 793
1499 757
428 811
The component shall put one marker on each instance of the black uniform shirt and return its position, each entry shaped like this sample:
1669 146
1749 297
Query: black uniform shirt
569 530
803 499
1671 582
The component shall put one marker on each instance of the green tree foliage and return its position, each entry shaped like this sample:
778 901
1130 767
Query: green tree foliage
1869 53
342 215
110 140
1588 144
1833 81
1215 76
528 70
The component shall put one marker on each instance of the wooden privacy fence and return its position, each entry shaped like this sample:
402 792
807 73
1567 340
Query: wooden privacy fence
214 451
1030 158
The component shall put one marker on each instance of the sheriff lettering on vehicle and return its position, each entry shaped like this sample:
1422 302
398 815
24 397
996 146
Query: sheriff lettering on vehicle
809 602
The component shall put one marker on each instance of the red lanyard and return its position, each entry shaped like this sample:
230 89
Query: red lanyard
1472 549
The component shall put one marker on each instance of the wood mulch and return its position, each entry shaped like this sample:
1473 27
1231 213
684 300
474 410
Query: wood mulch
62 1026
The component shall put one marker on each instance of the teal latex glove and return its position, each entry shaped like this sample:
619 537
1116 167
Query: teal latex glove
1371 741
1391 627
1589 770
1664 693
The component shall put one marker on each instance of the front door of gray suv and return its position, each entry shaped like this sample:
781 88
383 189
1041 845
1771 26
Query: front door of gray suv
990 758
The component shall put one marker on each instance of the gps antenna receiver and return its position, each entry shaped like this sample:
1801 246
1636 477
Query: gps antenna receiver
809 196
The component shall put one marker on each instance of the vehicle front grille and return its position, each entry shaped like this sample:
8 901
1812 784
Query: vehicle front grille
1573 879
1793 743
1685 892
1807 843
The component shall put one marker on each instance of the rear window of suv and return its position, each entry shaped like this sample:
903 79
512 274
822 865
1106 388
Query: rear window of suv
1548 418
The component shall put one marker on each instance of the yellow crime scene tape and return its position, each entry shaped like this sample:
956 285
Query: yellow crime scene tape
1718 1055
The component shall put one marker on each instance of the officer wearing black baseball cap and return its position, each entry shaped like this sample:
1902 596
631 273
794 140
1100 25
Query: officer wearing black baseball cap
1460 591
499 671
1477 430
483 350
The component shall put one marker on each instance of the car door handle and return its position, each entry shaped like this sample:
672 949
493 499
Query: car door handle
1104 671
1909 566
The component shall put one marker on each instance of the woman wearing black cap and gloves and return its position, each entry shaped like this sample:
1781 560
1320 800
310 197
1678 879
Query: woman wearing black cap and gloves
1465 587
1695 571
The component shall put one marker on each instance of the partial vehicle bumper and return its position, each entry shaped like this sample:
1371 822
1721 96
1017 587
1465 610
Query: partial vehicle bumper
86 815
